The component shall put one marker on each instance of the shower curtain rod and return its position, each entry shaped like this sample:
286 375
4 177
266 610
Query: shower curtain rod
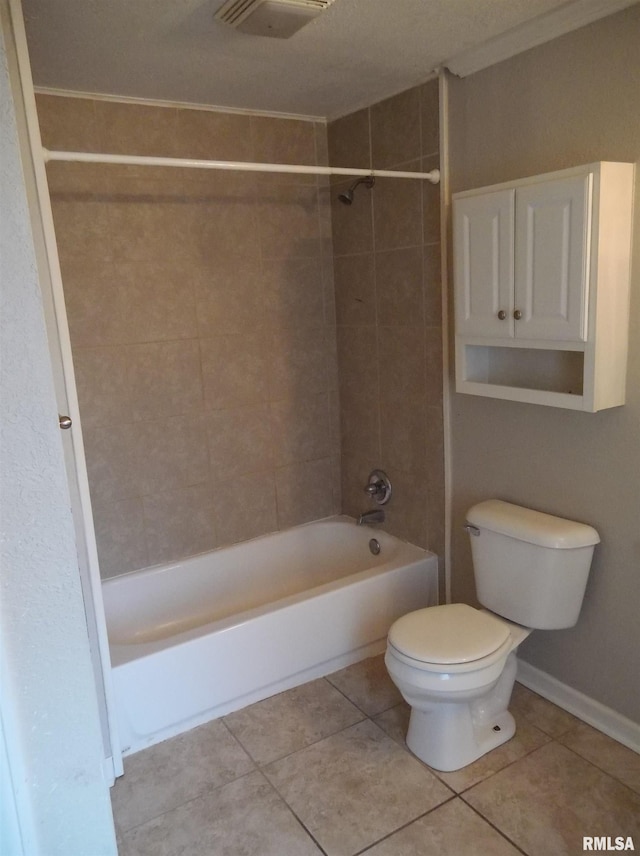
139 160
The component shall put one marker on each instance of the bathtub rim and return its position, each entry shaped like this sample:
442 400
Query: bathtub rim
332 518
122 653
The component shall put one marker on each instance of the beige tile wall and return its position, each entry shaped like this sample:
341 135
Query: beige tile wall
388 309
202 321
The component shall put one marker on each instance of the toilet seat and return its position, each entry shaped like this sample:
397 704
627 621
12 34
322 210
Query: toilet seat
451 638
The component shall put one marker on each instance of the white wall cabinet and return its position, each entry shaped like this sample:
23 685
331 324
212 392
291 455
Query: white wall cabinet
541 275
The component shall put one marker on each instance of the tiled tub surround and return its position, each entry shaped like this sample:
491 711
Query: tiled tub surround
202 322
389 313
323 769
208 635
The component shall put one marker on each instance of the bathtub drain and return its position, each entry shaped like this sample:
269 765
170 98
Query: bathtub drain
374 546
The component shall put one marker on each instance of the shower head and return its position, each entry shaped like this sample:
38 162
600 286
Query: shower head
347 196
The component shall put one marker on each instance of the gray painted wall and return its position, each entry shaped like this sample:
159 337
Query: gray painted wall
49 707
574 100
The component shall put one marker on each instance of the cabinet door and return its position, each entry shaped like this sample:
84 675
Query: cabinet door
483 242
552 259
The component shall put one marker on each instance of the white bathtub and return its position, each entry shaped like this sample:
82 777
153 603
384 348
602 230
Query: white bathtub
198 639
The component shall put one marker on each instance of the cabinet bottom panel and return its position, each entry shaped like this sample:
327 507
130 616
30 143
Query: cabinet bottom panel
526 368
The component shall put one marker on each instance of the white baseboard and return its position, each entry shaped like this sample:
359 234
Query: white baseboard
587 709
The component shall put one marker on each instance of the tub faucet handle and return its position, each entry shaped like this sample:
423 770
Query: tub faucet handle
378 487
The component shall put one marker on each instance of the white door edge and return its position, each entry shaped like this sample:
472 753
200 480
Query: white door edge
64 380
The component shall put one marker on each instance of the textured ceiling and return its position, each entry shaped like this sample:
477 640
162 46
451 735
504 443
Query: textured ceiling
355 53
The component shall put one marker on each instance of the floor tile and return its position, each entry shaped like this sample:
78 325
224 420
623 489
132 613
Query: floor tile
545 715
170 773
355 787
612 757
546 802
292 720
452 829
243 818
368 685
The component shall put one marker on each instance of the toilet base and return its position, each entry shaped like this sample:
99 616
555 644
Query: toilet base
449 735
425 738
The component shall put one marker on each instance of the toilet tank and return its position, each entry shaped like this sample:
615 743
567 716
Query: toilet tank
530 567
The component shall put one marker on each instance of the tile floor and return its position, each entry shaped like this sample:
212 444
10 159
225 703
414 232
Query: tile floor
323 769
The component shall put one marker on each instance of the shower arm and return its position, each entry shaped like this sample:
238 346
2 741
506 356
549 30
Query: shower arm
186 163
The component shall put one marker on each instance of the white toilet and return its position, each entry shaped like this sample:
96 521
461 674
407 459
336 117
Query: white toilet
456 665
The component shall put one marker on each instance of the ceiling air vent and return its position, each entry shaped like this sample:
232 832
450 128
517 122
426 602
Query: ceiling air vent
276 18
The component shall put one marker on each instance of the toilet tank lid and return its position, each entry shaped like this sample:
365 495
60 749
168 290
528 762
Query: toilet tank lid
535 527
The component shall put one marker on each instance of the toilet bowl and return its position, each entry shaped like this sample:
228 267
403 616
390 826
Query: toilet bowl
456 665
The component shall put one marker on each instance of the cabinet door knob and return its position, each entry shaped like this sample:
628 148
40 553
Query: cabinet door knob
517 314
64 421
502 315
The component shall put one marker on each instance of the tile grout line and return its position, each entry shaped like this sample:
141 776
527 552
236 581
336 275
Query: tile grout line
364 713
290 809
490 776
208 789
405 825
597 766
261 766
496 828
344 695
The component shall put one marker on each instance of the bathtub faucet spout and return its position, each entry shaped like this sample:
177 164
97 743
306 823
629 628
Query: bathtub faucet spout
370 518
